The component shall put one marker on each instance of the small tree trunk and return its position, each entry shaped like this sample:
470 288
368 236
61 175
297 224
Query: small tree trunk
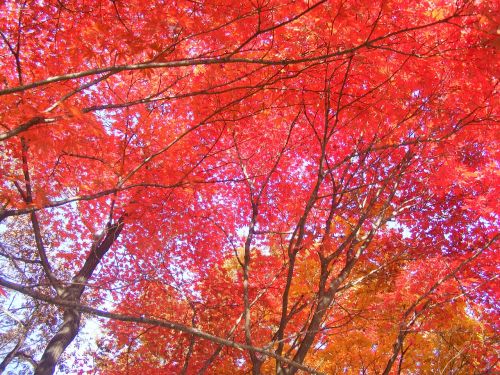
12 354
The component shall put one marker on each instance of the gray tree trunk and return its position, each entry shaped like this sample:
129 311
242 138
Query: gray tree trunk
64 336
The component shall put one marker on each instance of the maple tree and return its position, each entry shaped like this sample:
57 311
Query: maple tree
250 186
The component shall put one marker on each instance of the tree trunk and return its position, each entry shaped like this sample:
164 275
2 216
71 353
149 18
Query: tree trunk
64 336
71 318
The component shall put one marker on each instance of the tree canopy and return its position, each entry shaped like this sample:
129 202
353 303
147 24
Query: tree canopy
250 186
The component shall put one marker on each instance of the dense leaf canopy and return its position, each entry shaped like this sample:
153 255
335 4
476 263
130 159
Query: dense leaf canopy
250 186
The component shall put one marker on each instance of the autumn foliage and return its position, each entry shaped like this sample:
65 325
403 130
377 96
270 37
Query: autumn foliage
265 187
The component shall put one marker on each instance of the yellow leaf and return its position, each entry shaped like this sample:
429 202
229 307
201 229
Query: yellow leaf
438 13
75 112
